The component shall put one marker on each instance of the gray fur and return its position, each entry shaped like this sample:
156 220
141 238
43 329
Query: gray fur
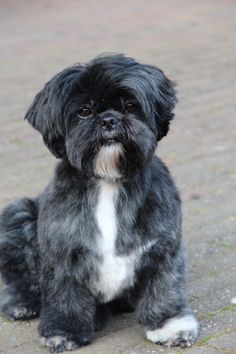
53 254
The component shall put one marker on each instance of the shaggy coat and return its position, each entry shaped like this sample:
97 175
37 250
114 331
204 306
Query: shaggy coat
105 234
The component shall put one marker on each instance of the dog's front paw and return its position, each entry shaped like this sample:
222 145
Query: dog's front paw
18 312
181 331
59 344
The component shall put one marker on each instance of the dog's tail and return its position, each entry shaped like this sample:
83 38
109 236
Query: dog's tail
19 253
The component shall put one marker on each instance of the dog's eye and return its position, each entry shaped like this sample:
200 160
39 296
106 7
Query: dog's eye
84 112
130 107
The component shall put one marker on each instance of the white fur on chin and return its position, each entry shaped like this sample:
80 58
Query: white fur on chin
106 163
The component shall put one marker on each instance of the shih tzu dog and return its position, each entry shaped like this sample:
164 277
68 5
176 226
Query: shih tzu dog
105 234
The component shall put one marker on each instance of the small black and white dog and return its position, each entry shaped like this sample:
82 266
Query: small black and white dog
105 235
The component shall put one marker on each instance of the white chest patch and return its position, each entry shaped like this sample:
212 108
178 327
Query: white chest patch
115 273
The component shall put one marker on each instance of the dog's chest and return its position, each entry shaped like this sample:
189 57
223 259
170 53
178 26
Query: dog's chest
115 273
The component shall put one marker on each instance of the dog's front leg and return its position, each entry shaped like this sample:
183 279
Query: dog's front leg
162 308
67 316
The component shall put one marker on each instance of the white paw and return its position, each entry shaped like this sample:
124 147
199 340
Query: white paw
58 344
181 331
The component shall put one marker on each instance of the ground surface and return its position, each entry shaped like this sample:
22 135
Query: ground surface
195 43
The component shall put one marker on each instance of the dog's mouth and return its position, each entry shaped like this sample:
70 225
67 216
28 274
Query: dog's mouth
110 140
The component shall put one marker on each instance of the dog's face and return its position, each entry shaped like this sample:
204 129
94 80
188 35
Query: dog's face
106 117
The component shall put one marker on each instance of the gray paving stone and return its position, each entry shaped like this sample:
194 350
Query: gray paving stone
194 42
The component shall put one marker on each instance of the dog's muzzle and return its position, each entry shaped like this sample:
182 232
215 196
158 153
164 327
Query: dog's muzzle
109 122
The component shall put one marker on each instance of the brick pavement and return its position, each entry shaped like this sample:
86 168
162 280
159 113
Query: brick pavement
195 43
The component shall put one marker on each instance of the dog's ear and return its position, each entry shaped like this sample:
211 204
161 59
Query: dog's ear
155 92
163 97
46 113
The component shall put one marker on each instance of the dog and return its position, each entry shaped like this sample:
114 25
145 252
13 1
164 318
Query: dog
105 235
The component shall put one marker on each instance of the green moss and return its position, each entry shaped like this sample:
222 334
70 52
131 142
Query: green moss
146 341
220 244
204 341
210 314
5 320
17 141
213 273
228 308
191 300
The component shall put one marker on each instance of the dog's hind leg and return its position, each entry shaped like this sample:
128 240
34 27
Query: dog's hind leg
19 260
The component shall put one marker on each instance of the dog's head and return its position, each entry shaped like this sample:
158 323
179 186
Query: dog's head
105 117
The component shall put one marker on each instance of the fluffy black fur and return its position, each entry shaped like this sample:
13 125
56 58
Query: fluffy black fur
49 260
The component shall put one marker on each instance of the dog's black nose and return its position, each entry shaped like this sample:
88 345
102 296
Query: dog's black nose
108 122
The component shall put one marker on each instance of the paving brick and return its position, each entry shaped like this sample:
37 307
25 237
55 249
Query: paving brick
194 42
